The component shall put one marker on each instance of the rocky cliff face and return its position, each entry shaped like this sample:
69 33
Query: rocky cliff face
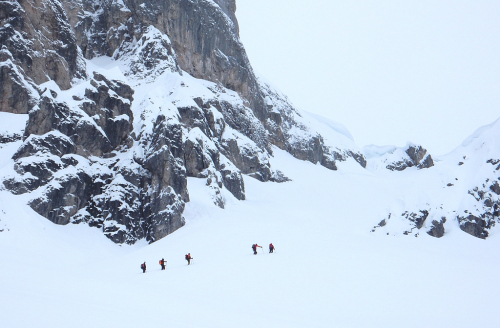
127 99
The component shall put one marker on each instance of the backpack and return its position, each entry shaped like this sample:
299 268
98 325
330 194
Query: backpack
254 246
187 257
142 266
160 262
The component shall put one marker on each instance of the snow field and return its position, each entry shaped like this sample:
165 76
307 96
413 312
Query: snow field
329 270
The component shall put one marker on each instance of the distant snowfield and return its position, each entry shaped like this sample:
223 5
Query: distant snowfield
328 270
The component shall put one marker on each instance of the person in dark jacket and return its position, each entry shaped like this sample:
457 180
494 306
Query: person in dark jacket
188 258
162 263
271 248
254 247
143 267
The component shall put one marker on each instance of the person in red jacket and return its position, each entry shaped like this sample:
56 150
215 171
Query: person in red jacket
254 247
271 248
188 258
143 267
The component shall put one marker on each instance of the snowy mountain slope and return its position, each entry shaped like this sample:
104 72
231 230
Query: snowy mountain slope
160 123
461 190
328 269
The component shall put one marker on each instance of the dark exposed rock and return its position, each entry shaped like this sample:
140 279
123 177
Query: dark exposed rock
233 181
50 143
418 218
63 200
488 202
195 159
416 153
474 226
163 213
120 211
42 168
279 177
82 130
112 109
495 188
41 42
437 229
90 19
17 95
21 186
164 161
194 117
164 157
426 163
493 161
217 124
416 158
399 166
310 150
247 159
359 158
10 138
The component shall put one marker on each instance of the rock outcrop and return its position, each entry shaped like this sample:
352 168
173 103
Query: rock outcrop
437 229
114 148
398 159
461 192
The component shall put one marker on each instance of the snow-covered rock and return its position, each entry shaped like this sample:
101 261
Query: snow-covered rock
130 100
397 158
461 190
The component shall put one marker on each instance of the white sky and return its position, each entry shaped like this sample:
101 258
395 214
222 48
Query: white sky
390 71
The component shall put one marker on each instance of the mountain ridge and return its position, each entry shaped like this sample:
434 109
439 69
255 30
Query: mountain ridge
115 153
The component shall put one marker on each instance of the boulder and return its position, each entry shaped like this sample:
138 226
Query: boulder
437 229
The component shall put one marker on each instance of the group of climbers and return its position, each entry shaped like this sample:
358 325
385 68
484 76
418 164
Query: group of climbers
188 257
271 248
163 263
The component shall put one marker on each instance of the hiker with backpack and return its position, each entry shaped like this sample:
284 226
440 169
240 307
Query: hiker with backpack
188 258
271 248
254 247
143 267
162 263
